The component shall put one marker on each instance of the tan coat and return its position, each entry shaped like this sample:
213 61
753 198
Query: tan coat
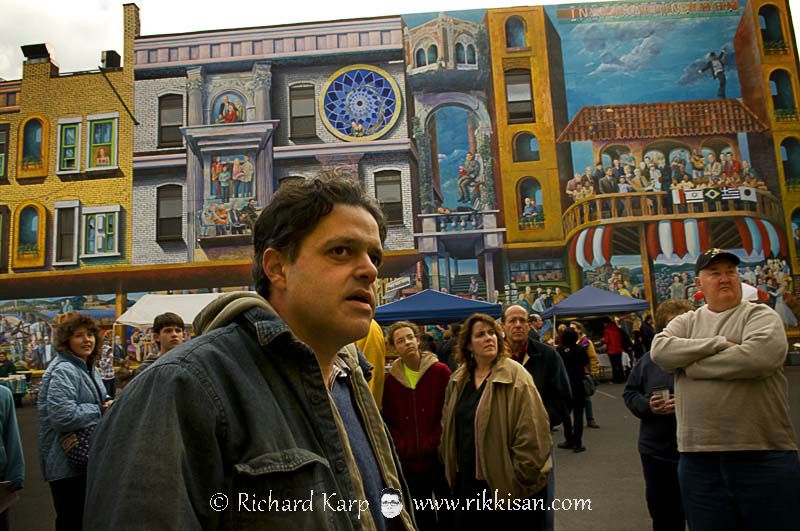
512 431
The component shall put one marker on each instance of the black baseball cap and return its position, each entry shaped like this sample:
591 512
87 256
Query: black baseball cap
713 254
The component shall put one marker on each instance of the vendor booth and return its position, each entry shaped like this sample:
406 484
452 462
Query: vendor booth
431 307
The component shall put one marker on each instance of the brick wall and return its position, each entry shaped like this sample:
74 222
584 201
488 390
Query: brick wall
146 250
397 237
147 93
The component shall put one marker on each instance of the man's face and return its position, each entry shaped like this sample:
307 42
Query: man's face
515 324
326 296
721 285
391 505
406 344
170 337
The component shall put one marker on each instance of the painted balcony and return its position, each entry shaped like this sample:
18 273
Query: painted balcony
641 207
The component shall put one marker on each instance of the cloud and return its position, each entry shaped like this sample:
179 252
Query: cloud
638 59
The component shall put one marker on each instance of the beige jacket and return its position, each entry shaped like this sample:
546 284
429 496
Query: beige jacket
512 431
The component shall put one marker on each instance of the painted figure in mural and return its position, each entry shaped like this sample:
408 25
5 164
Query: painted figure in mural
102 158
224 180
236 175
731 167
216 167
616 170
717 66
219 216
229 112
572 186
473 288
235 221
357 129
698 165
469 175
530 212
746 433
249 214
778 291
246 178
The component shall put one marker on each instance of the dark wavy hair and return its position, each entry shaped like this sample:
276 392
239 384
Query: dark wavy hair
294 213
67 329
463 354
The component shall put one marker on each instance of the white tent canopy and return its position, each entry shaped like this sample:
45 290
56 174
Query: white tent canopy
142 314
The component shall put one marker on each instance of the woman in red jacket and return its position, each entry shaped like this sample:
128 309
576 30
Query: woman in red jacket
413 398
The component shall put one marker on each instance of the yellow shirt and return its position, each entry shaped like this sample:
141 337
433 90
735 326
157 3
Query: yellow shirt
374 348
411 375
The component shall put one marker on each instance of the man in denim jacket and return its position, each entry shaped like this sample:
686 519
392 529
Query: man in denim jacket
265 421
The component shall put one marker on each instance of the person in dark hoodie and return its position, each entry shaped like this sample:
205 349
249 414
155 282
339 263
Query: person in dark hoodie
268 407
658 443
413 399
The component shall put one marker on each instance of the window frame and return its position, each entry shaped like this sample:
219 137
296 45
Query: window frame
96 119
174 144
44 147
73 205
293 126
520 119
4 151
62 125
398 175
171 237
38 260
88 212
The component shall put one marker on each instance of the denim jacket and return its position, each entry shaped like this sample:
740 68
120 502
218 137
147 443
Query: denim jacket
221 430
68 400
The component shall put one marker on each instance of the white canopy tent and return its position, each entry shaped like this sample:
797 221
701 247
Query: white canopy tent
141 314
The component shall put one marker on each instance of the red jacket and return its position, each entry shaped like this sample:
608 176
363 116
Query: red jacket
414 416
612 336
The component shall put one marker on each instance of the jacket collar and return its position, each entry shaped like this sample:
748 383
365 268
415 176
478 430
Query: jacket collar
501 373
428 359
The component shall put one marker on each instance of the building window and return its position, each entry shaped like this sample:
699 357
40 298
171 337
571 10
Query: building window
472 58
100 231
461 54
33 162
169 213
526 148
420 58
433 54
790 157
782 97
29 235
4 128
769 20
515 33
388 191
8 99
303 115
518 96
170 120
66 233
4 231
69 138
102 143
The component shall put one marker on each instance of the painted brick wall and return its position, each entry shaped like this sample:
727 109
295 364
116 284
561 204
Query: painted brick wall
398 237
146 250
147 93
283 78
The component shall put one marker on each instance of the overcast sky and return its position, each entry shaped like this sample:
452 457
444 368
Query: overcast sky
79 30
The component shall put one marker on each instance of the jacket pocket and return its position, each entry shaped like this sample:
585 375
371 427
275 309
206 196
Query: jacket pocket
279 489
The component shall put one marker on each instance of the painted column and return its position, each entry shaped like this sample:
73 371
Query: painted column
121 305
447 273
194 171
435 272
575 275
488 264
262 84
647 270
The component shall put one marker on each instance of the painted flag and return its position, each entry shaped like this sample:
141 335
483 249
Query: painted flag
694 196
749 194
678 197
731 193
712 194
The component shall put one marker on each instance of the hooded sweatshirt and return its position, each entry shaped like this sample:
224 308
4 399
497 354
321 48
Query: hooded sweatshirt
414 416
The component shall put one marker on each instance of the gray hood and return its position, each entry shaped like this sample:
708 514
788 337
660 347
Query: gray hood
225 309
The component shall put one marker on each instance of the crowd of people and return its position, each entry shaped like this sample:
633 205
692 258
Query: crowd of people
236 217
474 420
654 175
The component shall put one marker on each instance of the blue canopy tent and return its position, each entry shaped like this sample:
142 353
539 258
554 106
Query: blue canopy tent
594 301
429 307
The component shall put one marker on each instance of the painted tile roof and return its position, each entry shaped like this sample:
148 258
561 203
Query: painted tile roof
660 120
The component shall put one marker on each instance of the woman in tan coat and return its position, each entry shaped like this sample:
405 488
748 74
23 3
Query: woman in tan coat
495 432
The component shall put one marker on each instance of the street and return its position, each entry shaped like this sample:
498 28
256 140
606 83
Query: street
609 472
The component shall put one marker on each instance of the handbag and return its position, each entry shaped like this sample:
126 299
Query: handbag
76 445
589 385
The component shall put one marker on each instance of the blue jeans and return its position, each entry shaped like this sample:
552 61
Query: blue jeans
738 491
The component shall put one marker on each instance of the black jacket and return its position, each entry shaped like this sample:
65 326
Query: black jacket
550 377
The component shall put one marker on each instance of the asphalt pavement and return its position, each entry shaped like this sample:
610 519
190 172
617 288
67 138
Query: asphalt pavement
609 473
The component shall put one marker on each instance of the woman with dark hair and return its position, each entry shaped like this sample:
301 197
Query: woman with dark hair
71 398
575 360
495 431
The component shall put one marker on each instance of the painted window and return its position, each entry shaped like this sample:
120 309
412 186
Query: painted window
461 54
769 20
472 58
66 233
782 97
796 231
515 33
518 96
4 129
420 58
100 231
388 191
529 203
433 54
170 212
170 120
526 148
790 157
465 54
4 231
303 115
28 236
69 138
32 145
102 143
28 240
8 99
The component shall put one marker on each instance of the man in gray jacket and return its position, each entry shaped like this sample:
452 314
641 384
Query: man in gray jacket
265 420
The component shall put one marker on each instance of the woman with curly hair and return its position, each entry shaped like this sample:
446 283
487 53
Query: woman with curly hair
495 431
71 398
